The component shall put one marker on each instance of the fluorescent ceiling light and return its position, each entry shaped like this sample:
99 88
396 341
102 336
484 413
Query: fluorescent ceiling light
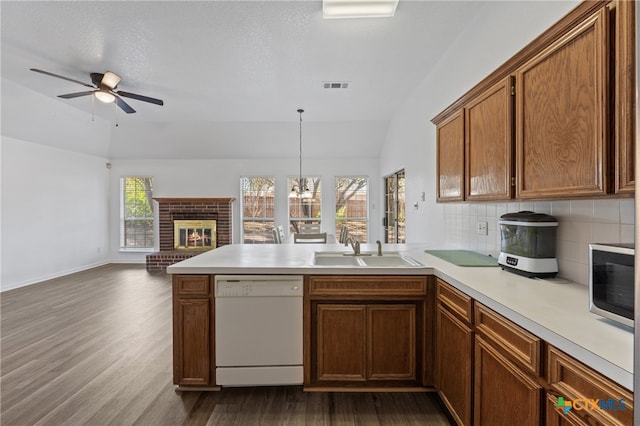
335 9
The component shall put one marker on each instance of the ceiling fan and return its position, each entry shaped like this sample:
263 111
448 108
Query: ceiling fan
104 86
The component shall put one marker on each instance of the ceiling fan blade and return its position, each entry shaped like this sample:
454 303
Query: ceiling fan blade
141 98
77 94
125 106
62 77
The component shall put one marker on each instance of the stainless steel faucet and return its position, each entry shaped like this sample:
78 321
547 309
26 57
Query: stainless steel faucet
379 247
355 245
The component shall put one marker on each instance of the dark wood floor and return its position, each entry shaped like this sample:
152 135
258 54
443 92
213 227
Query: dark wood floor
95 348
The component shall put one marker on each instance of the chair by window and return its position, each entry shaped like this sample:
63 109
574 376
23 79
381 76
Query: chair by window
315 238
309 228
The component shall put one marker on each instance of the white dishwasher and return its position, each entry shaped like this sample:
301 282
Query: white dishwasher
258 325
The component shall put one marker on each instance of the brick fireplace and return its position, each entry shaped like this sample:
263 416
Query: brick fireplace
185 209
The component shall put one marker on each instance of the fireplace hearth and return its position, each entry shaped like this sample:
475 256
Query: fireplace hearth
189 226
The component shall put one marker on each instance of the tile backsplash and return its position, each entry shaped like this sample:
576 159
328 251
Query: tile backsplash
579 223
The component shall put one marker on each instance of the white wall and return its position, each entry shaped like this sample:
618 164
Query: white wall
55 206
221 178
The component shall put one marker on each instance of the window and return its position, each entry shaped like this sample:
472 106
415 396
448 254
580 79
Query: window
304 209
394 215
136 213
257 209
352 206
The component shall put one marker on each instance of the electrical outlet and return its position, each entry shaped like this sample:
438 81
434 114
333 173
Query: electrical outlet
482 228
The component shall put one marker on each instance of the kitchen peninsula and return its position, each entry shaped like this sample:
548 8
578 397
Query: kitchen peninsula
542 327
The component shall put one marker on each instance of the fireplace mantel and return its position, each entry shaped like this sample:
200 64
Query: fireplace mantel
188 208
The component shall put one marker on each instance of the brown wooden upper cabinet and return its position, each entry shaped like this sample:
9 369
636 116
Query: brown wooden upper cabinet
450 158
571 111
489 144
561 116
624 111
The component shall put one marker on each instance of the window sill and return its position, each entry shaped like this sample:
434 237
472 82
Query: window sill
136 250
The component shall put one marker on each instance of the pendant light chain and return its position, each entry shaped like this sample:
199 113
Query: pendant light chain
300 189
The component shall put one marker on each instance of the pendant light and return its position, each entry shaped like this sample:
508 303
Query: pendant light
300 190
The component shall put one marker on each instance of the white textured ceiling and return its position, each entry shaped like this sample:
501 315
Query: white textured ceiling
220 62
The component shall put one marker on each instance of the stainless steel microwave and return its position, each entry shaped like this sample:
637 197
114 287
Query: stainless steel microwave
611 286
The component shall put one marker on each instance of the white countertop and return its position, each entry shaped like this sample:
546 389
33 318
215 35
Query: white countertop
556 312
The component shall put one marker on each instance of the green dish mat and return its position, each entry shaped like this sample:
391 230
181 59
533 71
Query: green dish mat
464 257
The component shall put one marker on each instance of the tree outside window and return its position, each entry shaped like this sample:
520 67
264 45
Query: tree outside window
136 217
257 209
304 209
352 206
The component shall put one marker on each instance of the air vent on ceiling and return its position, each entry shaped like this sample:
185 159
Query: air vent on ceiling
335 84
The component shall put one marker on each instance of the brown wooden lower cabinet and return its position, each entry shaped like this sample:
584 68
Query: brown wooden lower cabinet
595 399
511 385
363 342
193 328
365 332
504 394
453 375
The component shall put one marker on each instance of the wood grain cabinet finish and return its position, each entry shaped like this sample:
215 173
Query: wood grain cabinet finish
624 112
504 394
193 328
561 115
556 416
575 382
450 158
453 375
488 135
366 336
507 364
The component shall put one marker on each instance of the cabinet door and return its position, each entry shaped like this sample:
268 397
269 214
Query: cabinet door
557 417
504 395
489 144
624 105
450 158
341 342
453 372
391 342
192 342
561 113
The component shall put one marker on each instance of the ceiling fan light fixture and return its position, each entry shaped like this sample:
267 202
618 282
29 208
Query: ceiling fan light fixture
340 9
104 96
110 80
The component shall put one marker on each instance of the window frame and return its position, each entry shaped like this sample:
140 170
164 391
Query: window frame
366 218
123 220
268 237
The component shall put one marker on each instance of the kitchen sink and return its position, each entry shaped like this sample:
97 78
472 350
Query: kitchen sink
391 261
365 259
324 259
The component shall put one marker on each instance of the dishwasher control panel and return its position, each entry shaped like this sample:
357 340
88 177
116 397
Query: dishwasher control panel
258 285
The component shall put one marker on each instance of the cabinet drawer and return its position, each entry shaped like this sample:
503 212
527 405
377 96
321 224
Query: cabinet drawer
575 382
191 285
455 301
517 344
367 285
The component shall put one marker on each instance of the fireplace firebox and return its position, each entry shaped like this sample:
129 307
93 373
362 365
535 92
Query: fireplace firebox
194 234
